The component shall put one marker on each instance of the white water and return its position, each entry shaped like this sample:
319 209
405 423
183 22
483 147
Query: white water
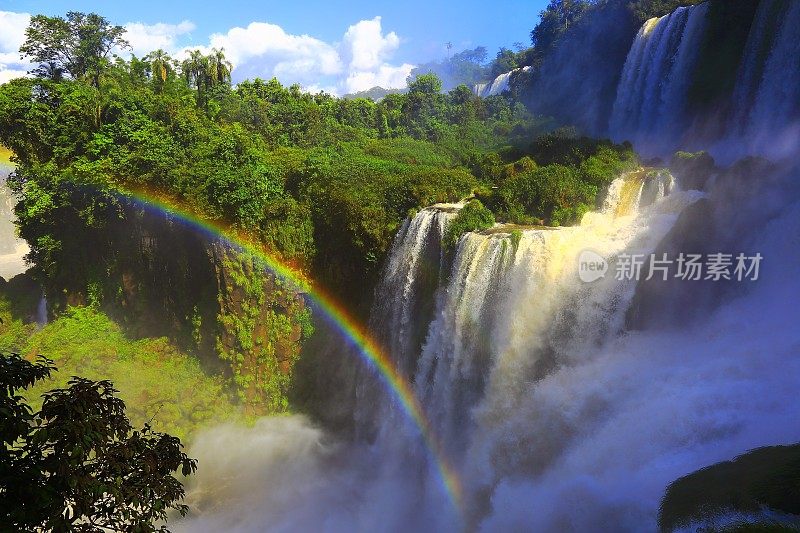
556 416
499 85
767 95
650 105
763 116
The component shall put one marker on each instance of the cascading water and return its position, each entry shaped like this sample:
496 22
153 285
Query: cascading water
404 300
554 415
760 116
499 85
514 308
767 93
414 267
651 98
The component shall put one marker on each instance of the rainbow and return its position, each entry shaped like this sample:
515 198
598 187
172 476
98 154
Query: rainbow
352 330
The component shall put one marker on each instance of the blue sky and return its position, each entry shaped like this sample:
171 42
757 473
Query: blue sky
315 43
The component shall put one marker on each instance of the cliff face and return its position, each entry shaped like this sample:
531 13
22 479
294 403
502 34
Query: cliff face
261 323
159 277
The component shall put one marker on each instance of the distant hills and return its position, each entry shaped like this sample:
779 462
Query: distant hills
375 94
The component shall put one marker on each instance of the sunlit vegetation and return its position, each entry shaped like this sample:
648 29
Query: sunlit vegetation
319 182
160 384
472 217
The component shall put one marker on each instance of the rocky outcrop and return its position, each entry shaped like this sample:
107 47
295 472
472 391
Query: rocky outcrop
261 323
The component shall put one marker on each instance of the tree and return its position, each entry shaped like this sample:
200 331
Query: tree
423 105
505 61
206 72
160 67
555 19
76 464
428 84
219 68
78 45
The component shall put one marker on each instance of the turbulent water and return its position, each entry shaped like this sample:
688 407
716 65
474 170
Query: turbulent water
555 415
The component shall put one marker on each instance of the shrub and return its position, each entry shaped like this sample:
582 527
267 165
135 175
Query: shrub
472 217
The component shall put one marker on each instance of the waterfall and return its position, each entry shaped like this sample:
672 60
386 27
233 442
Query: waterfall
767 94
651 98
761 115
554 416
41 311
457 350
12 248
415 265
403 302
499 85
511 311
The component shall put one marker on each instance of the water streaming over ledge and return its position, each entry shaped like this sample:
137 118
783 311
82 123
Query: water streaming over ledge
653 108
556 417
510 310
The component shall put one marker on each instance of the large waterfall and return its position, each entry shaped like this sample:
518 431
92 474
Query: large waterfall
653 108
767 97
554 414
650 105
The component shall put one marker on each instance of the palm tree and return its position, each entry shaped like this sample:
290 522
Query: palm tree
194 69
219 68
161 66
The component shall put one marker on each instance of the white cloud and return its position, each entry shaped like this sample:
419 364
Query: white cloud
12 30
7 74
146 38
360 61
367 50
266 50
386 76
12 35
366 45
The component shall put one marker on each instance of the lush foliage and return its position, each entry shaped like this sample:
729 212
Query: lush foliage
320 183
158 383
558 182
76 464
77 45
472 217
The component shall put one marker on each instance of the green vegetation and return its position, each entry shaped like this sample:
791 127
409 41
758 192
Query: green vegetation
472 217
645 9
159 384
763 478
318 182
559 182
77 464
